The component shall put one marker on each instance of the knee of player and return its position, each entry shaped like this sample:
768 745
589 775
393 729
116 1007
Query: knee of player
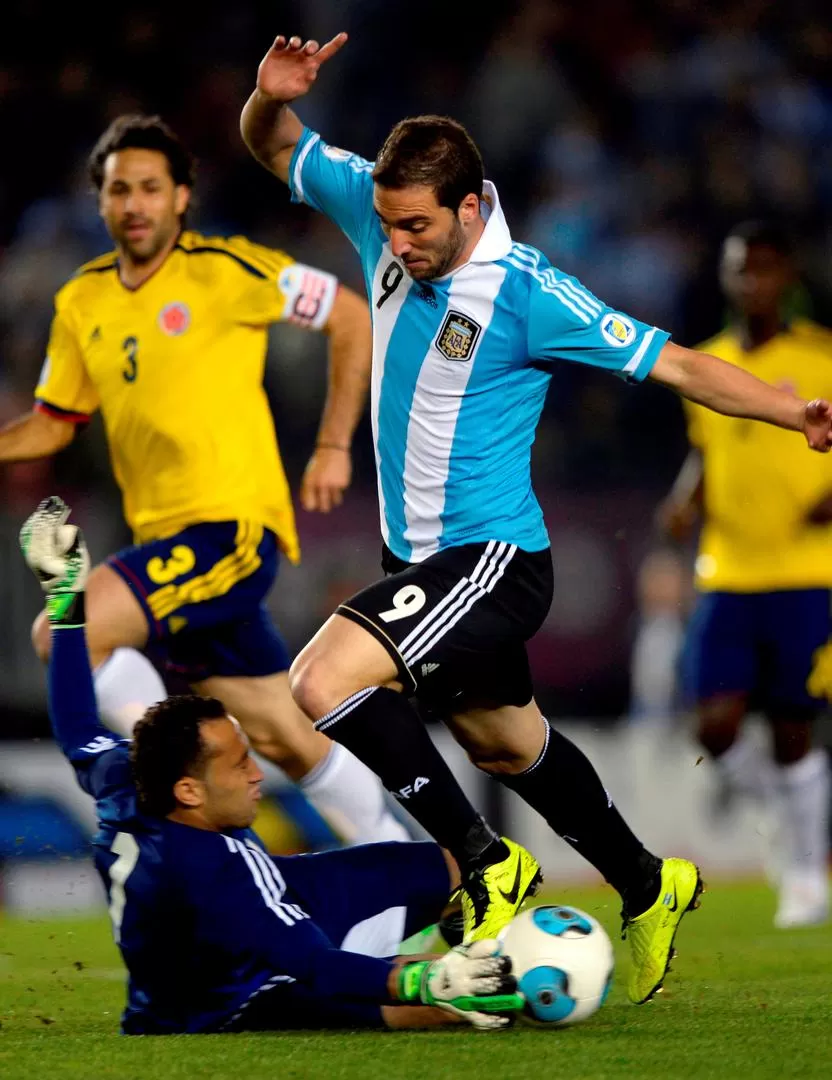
792 733
314 687
498 761
716 736
42 637
270 746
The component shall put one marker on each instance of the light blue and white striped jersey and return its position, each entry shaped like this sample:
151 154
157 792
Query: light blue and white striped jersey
461 365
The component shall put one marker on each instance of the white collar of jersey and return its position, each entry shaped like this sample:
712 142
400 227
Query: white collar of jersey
495 242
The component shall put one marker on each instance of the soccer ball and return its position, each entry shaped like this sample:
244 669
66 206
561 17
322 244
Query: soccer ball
563 962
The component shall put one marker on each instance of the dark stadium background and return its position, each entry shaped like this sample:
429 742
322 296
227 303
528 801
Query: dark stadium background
625 139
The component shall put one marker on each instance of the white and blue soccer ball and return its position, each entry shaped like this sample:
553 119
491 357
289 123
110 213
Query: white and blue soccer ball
563 961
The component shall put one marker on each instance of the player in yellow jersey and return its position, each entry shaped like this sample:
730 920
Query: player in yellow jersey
764 569
167 336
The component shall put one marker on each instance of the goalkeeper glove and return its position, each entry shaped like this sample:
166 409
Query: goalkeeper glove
58 556
471 981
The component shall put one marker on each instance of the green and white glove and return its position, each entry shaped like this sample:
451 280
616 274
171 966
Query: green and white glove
58 556
473 982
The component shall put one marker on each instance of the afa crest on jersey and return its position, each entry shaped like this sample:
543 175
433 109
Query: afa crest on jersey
458 336
174 319
618 330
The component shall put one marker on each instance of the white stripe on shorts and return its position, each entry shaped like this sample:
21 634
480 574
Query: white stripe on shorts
464 583
444 617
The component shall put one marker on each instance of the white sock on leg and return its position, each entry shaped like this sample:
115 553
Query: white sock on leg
747 768
349 796
748 772
125 685
804 788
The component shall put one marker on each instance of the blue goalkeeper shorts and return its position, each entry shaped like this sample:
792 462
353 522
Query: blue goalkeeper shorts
203 593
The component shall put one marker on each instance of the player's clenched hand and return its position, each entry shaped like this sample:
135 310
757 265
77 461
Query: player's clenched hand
325 479
473 982
817 425
289 68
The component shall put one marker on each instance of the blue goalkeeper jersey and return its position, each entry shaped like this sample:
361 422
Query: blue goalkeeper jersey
461 365
204 920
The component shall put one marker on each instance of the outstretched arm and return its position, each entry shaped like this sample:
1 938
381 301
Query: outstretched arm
473 983
269 128
727 389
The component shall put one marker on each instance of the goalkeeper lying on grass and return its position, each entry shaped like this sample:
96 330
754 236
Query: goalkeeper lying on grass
216 934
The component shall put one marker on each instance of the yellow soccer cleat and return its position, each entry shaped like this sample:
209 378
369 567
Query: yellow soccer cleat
651 934
493 898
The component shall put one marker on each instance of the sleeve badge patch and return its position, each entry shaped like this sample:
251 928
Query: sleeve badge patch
617 330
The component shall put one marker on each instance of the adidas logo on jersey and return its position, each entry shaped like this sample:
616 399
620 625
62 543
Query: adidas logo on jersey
428 668
98 745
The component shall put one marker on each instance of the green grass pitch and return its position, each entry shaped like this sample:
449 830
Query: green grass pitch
743 1000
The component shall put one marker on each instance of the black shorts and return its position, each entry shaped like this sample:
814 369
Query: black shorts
456 625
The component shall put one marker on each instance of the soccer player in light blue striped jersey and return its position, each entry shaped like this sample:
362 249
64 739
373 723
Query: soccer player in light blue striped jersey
467 325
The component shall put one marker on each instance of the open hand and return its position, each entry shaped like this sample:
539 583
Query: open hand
289 68
54 551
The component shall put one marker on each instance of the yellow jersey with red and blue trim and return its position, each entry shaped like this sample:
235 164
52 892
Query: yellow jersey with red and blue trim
760 482
176 367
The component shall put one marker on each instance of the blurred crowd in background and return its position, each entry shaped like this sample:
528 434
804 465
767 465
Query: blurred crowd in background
625 137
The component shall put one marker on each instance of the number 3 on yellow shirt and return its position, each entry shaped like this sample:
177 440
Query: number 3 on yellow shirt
131 349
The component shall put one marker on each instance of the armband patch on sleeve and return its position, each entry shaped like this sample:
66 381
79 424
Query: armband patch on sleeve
309 295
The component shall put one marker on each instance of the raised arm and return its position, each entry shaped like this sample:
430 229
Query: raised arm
57 555
329 470
727 389
269 128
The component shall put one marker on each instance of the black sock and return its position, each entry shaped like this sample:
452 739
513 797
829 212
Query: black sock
384 731
566 790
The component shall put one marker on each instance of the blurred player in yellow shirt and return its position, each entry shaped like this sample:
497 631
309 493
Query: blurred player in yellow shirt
167 335
764 569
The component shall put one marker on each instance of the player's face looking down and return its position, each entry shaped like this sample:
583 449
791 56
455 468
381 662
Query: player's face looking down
140 204
225 796
429 239
754 277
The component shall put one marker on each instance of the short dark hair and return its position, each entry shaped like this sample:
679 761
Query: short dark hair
435 151
167 745
761 233
134 131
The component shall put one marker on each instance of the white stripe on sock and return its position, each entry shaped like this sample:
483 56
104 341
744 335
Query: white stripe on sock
345 707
